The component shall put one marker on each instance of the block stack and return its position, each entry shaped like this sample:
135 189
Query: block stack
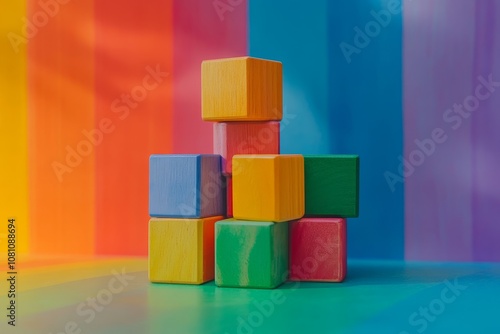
285 214
181 228
244 97
318 244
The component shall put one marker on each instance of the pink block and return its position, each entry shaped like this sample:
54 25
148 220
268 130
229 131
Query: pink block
318 249
232 138
229 192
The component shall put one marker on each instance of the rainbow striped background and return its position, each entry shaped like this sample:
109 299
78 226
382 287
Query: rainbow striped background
126 76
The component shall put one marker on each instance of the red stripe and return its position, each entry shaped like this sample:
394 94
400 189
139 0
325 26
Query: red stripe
131 39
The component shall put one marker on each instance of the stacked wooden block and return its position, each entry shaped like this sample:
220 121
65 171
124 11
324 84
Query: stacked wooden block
244 97
186 199
318 244
285 213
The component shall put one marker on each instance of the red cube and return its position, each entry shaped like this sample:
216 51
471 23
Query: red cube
232 138
318 250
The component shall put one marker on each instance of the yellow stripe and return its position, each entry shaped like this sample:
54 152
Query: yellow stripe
13 125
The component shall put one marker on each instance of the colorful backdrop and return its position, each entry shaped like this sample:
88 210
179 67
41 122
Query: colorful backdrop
89 90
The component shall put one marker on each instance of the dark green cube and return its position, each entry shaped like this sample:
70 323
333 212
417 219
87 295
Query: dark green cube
331 185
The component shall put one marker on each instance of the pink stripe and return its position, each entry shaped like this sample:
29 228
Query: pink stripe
201 32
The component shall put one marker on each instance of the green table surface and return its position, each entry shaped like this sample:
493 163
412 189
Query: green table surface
377 297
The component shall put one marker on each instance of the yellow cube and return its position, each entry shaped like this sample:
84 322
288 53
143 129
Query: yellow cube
268 187
241 89
181 250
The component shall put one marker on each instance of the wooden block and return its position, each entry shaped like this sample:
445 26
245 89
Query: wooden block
332 185
181 250
229 193
187 186
241 89
268 187
250 254
232 138
318 249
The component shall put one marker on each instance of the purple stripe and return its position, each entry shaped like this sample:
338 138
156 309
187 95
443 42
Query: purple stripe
438 65
486 137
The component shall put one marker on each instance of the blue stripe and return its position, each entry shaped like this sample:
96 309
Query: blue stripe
340 107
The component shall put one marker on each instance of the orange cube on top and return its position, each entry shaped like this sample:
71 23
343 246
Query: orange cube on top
241 89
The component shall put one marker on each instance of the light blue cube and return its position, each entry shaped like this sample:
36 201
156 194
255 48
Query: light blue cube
186 186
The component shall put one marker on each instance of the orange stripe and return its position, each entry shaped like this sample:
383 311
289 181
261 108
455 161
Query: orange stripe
60 106
131 42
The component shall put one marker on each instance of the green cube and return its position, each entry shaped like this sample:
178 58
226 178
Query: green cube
332 185
250 254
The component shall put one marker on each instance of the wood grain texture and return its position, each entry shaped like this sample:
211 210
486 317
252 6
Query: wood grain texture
332 185
268 187
250 254
231 138
188 186
318 249
243 88
181 250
